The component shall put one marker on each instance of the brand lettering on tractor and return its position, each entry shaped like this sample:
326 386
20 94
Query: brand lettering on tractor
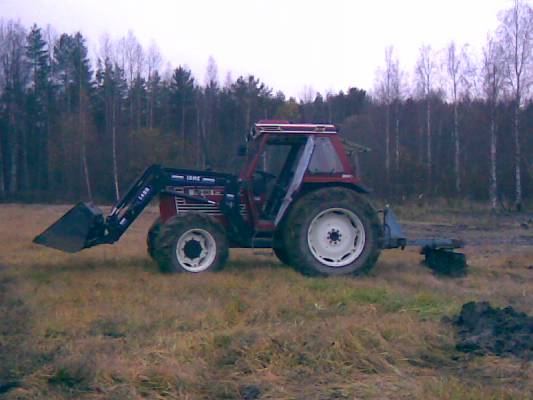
193 178
143 194
203 192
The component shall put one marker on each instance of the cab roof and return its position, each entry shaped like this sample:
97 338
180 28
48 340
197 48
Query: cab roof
285 127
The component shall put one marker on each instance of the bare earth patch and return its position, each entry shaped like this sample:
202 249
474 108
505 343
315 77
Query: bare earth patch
106 324
501 331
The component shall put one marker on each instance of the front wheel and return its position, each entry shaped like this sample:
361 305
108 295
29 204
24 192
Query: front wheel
151 237
191 243
333 231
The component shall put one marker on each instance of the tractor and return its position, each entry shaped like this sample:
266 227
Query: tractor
297 193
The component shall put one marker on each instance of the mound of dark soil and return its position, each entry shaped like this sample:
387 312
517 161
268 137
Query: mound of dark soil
500 331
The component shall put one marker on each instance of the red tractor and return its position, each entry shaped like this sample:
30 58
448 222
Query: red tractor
297 193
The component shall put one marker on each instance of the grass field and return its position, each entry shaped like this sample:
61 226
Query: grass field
106 324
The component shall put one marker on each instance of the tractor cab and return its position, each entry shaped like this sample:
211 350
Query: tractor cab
285 159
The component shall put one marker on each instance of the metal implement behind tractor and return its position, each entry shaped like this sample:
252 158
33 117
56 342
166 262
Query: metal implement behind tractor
297 193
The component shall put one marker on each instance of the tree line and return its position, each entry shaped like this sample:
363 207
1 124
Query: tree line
75 127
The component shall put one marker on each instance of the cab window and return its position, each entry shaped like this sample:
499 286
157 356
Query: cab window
325 159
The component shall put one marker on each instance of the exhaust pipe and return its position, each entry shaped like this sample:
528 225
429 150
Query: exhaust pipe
81 227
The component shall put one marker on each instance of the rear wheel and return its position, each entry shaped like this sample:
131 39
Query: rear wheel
278 246
151 237
333 231
191 243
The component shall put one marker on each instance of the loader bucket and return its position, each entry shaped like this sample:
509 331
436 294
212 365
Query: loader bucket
445 261
75 230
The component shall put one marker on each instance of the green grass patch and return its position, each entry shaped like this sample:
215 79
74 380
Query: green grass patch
423 303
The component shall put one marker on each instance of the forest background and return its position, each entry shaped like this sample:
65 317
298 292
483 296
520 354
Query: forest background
73 127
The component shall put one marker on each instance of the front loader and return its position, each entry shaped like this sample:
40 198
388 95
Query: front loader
297 193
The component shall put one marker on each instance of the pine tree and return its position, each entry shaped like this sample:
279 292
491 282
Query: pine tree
15 78
37 107
182 98
73 75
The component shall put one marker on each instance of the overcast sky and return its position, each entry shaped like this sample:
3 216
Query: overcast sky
288 44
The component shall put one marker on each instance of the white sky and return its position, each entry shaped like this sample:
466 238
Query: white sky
288 44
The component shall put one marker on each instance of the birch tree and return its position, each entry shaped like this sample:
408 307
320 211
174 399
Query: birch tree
492 83
516 34
425 73
83 75
458 69
153 63
388 90
131 55
399 90
208 122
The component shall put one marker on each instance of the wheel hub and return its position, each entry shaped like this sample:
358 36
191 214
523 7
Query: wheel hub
336 237
192 249
196 250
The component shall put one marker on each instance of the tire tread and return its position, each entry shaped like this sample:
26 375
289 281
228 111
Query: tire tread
175 226
299 214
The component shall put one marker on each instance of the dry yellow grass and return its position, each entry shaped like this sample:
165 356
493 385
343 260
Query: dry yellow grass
106 324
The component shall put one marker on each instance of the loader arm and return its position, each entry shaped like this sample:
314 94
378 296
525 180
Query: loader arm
132 204
84 226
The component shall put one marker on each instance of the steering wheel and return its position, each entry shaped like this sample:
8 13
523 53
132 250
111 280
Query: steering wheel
261 181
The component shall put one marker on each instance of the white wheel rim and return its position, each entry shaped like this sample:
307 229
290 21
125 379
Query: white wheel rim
196 250
336 237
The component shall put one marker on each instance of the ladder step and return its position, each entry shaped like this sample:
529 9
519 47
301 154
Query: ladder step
262 243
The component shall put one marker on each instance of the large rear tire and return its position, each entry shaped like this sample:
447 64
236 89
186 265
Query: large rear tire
151 237
278 246
333 231
193 243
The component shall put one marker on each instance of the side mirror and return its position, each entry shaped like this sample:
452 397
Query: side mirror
242 150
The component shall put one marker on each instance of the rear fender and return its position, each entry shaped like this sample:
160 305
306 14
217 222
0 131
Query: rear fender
311 187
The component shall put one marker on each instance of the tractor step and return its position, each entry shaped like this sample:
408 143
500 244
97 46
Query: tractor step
262 243
74 231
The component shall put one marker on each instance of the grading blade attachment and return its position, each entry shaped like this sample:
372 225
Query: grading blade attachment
439 253
81 227
445 261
